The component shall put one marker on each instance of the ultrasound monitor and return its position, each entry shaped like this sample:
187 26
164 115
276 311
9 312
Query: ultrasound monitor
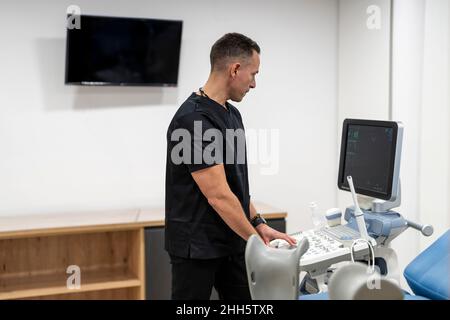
370 153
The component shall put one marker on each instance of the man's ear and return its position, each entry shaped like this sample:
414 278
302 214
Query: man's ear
234 68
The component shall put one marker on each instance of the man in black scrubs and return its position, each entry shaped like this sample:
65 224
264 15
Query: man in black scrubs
209 215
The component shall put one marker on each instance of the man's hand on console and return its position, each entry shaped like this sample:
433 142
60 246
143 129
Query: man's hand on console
267 234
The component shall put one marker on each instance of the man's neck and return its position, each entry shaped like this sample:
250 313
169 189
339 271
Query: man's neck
216 91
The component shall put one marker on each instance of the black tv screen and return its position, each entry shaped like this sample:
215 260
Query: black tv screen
123 51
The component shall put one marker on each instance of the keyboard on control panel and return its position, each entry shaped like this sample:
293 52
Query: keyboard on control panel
342 232
323 244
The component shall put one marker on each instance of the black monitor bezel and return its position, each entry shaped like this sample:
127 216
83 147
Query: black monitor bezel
342 180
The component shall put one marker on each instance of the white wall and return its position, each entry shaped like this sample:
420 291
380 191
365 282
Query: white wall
407 79
418 96
434 158
363 68
77 148
420 99
420 88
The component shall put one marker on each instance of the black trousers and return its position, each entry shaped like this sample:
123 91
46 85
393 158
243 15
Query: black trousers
193 279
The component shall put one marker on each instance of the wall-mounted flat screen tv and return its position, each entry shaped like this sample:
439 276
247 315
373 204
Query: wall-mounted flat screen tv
123 51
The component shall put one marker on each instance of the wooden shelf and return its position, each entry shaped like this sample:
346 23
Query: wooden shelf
52 284
111 264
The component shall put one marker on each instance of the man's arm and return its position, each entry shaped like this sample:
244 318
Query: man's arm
214 186
252 211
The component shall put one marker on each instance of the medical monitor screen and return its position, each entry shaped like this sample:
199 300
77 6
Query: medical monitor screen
368 155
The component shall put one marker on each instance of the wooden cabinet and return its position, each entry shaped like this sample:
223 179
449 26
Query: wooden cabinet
116 254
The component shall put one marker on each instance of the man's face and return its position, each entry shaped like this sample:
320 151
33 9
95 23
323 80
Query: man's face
244 78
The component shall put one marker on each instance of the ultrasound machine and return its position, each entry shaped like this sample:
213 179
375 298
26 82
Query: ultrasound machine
369 165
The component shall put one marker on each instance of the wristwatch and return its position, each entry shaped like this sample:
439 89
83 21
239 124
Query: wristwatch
257 220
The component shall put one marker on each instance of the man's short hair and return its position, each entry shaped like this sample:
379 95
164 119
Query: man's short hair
231 45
